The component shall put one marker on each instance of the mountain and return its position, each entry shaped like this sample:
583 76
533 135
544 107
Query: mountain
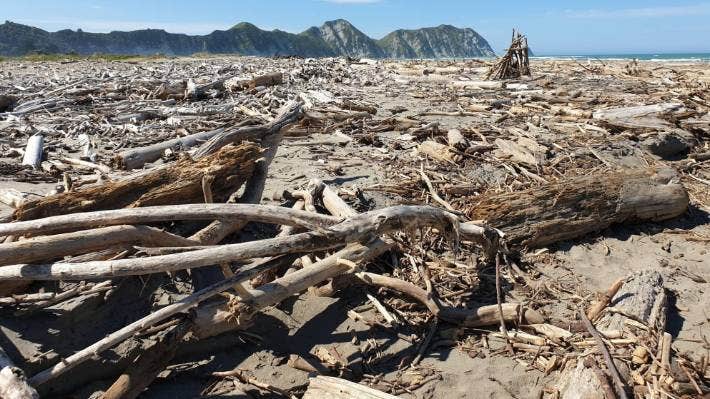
333 38
444 41
345 39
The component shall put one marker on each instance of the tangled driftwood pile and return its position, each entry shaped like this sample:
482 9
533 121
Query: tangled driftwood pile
515 63
155 208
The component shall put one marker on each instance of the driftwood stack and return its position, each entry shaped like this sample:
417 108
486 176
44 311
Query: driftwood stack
515 63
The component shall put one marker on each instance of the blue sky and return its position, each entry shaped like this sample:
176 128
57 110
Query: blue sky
553 26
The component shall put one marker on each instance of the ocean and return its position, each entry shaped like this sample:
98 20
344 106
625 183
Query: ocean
675 57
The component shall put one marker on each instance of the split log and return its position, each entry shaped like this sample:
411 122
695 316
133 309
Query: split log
577 206
34 151
355 229
173 184
322 387
81 242
642 298
13 384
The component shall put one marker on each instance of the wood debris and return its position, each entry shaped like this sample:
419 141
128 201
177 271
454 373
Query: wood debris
334 227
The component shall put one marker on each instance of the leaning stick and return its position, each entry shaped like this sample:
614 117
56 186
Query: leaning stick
354 229
619 385
152 214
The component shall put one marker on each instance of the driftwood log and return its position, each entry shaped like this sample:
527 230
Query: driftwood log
152 214
576 206
642 299
174 184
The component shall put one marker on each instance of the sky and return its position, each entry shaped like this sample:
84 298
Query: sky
553 27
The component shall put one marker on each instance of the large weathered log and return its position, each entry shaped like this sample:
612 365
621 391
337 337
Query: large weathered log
642 299
576 206
174 184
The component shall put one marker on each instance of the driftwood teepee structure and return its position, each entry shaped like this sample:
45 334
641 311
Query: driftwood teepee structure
515 62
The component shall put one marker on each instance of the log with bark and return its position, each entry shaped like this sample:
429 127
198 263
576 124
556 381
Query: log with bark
573 207
179 183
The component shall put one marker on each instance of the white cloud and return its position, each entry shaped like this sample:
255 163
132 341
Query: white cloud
644 12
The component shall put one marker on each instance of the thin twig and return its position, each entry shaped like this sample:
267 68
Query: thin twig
619 384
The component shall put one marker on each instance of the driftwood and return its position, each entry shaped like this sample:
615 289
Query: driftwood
174 184
439 151
482 316
322 387
576 206
352 230
219 229
642 299
288 115
81 242
218 317
152 214
515 63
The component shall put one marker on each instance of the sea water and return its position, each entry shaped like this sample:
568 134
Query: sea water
667 57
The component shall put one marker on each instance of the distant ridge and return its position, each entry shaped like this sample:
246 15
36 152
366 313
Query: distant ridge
333 38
